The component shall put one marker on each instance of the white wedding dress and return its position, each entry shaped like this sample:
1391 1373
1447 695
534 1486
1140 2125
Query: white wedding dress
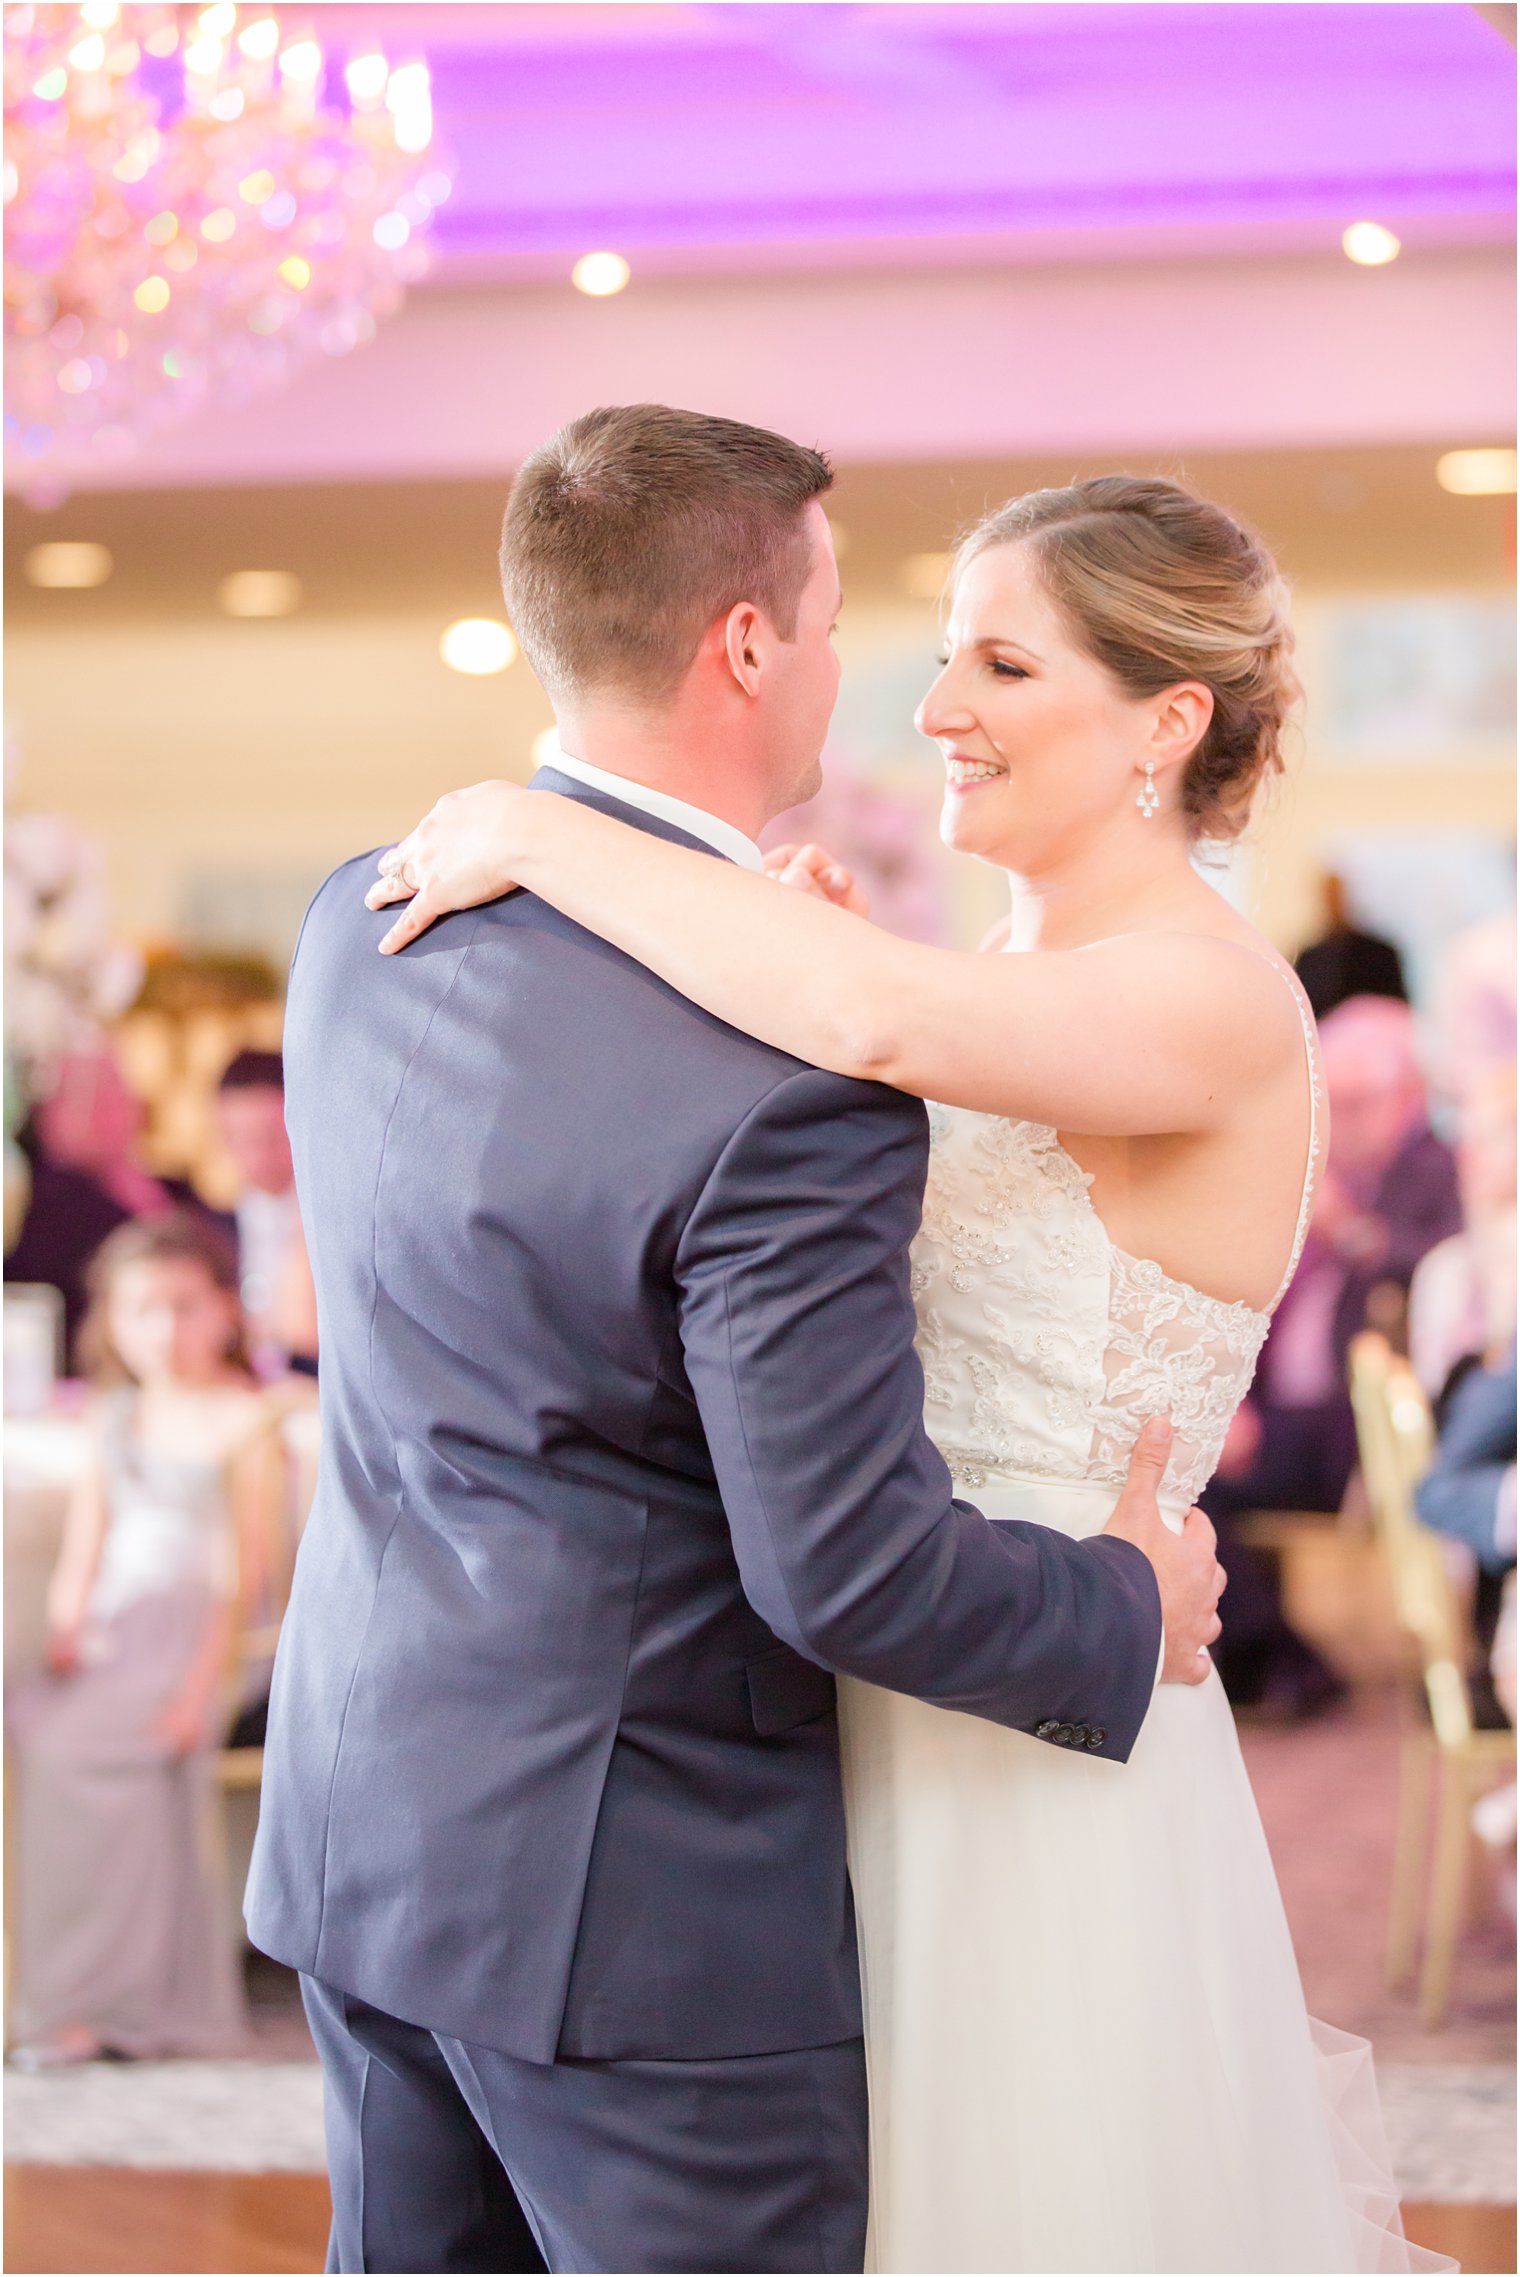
1086 2039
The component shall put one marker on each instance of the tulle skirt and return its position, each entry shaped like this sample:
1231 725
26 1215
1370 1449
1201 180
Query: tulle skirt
1086 2038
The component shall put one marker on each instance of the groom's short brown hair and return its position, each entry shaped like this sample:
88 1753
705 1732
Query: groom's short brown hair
633 528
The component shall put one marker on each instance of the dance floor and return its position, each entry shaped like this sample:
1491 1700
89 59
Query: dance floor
71 2218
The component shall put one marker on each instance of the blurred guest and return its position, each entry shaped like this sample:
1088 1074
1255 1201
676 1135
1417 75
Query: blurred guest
122 1939
1472 1011
1469 1490
1388 1194
1462 1306
68 1215
1462 1296
296 1305
1389 1191
1505 1670
1262 1660
1468 1494
250 1112
1346 960
93 1120
83 1144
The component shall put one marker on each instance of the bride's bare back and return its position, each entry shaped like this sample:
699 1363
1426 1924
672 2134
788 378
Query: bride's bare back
1222 1207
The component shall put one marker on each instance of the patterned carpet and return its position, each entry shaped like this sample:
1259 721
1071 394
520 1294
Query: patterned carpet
234 2118
1451 2128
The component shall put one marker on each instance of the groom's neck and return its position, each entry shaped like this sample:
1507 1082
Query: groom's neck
674 756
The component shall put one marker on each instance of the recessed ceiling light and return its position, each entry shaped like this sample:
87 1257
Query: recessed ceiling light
1477 474
478 645
600 274
260 593
1370 245
545 748
64 563
924 574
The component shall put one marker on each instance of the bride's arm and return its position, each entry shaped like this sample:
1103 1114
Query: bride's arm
1150 1033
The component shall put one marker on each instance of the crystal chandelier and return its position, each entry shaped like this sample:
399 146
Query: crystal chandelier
195 200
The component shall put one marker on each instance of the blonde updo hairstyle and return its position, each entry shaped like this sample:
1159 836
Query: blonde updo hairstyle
1158 587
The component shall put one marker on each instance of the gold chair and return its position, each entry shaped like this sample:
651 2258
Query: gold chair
1447 1752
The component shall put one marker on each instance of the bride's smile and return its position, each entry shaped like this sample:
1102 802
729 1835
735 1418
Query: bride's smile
962 774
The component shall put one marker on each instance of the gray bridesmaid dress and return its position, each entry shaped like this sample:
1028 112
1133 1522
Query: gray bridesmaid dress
121 1920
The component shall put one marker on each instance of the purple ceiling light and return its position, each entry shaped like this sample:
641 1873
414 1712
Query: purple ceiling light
680 133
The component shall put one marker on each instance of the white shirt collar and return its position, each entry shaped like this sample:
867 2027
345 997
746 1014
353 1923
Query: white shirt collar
694 820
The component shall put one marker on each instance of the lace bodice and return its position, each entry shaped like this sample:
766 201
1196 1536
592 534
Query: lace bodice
1044 1345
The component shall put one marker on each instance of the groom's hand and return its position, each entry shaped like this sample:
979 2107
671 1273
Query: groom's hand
813 869
1190 1578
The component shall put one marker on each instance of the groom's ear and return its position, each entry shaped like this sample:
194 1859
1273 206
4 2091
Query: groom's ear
742 634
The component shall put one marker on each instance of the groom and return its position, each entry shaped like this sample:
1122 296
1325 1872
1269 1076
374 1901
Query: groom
623 1457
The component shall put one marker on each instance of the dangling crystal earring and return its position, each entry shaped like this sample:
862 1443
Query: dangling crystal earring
1148 798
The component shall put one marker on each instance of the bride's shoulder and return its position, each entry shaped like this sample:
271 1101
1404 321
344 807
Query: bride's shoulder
1226 978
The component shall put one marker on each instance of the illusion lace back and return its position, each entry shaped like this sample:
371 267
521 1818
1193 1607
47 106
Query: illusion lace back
1044 1345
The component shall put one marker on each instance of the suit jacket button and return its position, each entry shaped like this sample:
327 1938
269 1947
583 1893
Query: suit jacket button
1064 1734
1096 1735
1046 1730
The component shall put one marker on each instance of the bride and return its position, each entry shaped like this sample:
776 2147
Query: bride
1086 2039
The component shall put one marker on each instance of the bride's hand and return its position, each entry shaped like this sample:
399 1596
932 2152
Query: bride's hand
813 869
459 855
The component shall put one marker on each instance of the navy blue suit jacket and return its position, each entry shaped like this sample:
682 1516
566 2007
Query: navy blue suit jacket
623 1452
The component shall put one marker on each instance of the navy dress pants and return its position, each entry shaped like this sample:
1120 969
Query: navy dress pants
446 2155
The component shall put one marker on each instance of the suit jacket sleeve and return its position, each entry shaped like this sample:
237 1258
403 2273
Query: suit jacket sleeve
797 1324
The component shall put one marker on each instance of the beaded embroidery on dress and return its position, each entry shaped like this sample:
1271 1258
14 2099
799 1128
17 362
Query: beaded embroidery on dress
1044 1345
